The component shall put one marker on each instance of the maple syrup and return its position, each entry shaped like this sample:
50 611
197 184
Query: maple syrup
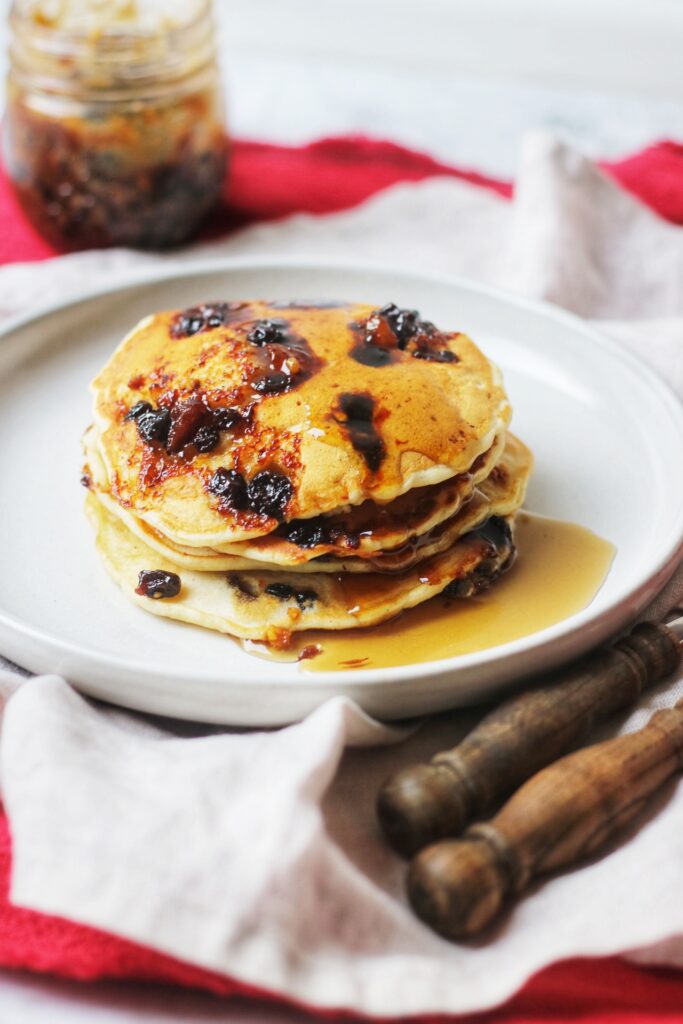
558 571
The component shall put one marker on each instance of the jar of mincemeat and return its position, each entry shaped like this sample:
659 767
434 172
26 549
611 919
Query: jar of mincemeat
114 128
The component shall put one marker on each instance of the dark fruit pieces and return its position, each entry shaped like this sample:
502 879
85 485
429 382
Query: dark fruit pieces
186 419
390 329
154 425
267 494
184 424
497 535
206 317
157 584
231 487
403 322
285 359
316 532
137 410
304 597
267 332
206 438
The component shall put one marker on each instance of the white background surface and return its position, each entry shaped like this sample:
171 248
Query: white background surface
461 79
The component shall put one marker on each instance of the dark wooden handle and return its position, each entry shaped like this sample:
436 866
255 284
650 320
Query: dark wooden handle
565 812
427 802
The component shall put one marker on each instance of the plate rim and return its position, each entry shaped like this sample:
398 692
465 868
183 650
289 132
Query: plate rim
561 632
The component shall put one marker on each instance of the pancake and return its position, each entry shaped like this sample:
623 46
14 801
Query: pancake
263 468
271 606
360 532
501 494
220 423
365 530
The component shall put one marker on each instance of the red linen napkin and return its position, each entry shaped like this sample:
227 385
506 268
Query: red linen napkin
268 182
337 173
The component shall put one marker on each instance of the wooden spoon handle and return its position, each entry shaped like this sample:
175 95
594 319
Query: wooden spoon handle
423 803
568 810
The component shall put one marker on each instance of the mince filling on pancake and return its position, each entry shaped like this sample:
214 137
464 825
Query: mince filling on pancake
261 468
254 388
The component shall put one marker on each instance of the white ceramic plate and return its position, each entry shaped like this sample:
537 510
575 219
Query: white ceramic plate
606 432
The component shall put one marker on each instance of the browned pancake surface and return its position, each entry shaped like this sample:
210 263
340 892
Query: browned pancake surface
257 414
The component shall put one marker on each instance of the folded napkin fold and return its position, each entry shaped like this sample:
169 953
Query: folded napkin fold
256 854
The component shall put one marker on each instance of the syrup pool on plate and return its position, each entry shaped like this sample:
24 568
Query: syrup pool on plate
558 571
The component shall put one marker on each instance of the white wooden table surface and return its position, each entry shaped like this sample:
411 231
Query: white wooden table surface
461 79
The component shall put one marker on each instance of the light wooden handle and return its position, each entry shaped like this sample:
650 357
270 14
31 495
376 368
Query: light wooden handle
565 812
427 802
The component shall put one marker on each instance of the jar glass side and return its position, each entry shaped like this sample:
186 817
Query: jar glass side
137 159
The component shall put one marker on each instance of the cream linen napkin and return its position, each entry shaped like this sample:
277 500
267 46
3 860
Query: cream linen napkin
256 854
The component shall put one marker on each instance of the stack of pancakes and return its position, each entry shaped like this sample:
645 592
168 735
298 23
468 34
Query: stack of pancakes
263 468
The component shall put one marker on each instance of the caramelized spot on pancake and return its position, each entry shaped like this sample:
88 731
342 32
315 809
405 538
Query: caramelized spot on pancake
159 379
357 408
155 467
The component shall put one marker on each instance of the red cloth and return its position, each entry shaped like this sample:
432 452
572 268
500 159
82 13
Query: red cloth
655 176
269 182
334 174
605 991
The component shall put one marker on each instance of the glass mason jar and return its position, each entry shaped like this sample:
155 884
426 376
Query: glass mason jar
114 135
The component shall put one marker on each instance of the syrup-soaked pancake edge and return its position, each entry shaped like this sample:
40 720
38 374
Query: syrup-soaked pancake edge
271 606
359 532
501 493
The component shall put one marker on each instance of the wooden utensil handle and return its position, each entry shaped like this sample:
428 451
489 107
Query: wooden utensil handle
427 802
568 810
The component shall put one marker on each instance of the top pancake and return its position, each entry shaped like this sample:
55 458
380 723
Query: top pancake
302 410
